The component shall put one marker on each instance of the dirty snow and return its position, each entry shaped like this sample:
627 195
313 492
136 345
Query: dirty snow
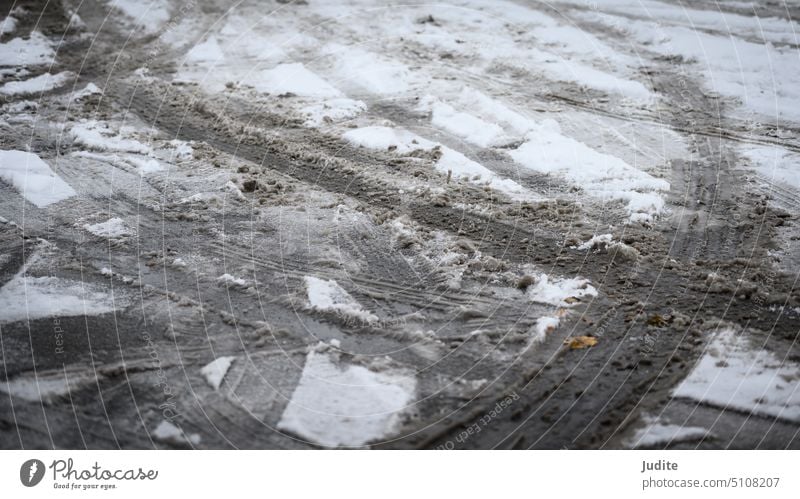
328 296
33 178
339 404
735 374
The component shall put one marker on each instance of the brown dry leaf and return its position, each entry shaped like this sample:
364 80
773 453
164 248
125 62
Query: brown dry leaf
579 342
571 300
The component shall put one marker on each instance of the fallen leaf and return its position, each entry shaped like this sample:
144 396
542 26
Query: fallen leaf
571 300
579 342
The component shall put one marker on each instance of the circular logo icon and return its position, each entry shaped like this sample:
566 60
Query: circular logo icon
31 472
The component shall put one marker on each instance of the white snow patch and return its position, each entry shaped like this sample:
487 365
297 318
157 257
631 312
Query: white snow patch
733 374
337 404
292 78
558 291
97 136
8 25
215 371
149 14
111 228
37 84
328 296
602 240
370 71
229 279
776 164
208 51
380 137
169 433
24 298
601 175
657 433
36 50
543 326
33 178
44 389
332 110
89 89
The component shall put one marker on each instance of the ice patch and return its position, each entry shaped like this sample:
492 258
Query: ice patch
337 404
215 371
328 296
732 374
111 228
33 178
37 84
29 298
602 240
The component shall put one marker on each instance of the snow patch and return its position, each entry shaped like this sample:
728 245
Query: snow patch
169 433
29 298
112 228
292 78
97 136
36 50
560 292
33 178
215 371
37 84
328 296
733 374
337 404
660 434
